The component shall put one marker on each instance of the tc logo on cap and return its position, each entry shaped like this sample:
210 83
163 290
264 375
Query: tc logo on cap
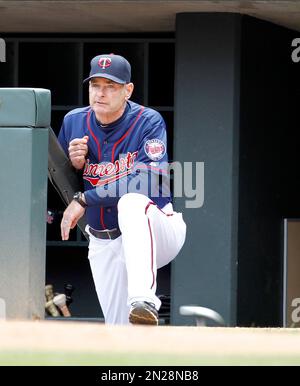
104 63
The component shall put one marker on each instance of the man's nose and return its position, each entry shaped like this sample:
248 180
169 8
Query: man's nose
100 91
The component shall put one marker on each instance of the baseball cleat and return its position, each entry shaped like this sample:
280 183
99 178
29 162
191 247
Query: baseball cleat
143 313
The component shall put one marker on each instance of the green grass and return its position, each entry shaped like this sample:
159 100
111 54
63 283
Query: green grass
30 358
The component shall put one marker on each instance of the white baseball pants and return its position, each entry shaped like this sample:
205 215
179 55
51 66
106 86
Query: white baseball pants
124 270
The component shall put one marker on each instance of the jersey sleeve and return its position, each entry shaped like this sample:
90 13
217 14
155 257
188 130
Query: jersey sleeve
152 152
62 137
150 163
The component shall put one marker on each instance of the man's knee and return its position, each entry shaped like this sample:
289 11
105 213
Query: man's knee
132 201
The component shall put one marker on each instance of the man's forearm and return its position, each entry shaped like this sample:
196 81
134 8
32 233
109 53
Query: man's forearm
109 194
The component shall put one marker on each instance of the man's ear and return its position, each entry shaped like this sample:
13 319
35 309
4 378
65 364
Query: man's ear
129 90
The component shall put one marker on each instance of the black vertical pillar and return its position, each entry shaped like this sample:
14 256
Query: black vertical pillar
206 130
269 182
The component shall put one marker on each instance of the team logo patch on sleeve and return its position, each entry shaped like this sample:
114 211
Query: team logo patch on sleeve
155 149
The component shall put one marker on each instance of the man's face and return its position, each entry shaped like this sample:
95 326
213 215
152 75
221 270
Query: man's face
107 98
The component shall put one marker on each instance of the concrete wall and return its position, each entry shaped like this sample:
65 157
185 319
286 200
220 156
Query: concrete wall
206 130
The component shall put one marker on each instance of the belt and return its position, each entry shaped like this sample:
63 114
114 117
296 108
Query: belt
106 234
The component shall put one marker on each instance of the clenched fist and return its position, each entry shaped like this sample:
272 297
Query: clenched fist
78 149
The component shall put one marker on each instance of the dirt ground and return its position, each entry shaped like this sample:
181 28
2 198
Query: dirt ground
93 337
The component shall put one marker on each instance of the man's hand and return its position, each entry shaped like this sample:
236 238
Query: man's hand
70 218
78 149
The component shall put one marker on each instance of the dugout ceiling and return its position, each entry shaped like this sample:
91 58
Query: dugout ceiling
130 15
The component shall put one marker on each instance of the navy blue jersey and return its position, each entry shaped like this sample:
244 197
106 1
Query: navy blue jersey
122 156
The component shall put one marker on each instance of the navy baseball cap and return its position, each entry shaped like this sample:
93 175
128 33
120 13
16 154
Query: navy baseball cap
110 66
